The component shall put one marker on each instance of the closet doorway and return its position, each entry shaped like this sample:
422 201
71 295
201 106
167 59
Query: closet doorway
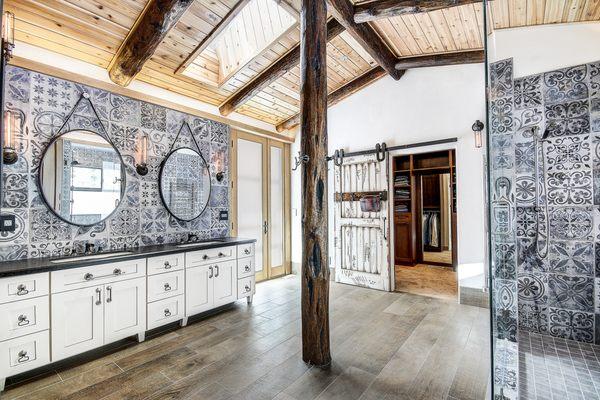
261 200
425 238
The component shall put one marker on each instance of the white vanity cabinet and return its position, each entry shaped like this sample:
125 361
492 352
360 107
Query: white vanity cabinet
24 314
50 316
87 318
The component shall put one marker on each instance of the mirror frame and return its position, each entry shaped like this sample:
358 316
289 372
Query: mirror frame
160 192
39 177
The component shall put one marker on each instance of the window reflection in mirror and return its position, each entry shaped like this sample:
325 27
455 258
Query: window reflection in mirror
185 184
81 177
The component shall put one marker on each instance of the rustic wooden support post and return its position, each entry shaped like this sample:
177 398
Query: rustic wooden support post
313 123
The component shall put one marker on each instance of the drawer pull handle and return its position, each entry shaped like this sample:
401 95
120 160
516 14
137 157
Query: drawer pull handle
22 290
247 268
167 265
211 272
117 271
205 257
217 271
109 290
247 287
246 251
99 293
22 320
88 277
221 255
167 312
167 287
23 357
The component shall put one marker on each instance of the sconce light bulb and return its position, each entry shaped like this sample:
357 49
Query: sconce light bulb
9 153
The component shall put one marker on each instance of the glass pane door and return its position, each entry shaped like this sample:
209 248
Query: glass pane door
276 209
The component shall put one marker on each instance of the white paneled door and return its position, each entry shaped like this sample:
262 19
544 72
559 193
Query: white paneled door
260 201
361 237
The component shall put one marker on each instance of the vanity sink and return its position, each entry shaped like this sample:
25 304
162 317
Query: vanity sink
90 257
196 244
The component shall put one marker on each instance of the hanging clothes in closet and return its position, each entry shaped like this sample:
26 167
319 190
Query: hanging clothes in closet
431 228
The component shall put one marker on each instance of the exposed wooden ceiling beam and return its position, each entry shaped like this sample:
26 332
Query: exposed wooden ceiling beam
436 60
151 27
337 95
379 9
289 61
220 27
365 35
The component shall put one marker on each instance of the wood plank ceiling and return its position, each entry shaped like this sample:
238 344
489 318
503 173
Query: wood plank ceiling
92 31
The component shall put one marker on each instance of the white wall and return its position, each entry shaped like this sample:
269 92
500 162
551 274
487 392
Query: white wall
544 48
426 104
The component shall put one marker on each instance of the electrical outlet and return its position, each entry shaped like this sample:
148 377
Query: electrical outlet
7 223
223 215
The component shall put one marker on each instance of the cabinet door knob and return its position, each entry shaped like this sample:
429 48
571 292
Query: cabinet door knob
117 271
22 320
246 251
167 312
247 287
221 255
205 257
167 287
22 290
247 268
23 357
88 277
167 265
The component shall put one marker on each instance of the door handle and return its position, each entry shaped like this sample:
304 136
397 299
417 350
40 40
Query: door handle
211 272
217 271
109 297
22 290
99 293
384 229
22 320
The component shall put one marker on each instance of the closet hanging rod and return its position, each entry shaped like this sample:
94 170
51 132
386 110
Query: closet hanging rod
399 147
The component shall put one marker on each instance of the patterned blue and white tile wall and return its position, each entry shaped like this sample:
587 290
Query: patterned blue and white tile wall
548 285
43 102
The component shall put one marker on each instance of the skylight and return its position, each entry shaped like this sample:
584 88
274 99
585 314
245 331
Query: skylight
259 24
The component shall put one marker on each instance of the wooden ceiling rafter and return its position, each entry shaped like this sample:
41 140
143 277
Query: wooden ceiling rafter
151 27
380 9
436 60
365 35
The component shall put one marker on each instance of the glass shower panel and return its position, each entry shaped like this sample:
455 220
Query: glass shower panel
543 83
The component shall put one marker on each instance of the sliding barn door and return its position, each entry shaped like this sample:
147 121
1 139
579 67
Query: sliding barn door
361 237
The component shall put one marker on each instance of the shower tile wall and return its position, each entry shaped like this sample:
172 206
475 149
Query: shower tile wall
557 294
43 102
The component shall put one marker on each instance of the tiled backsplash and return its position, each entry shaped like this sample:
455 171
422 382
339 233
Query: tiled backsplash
43 103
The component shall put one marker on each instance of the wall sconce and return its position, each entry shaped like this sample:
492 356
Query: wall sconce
9 151
477 129
219 161
142 165
8 35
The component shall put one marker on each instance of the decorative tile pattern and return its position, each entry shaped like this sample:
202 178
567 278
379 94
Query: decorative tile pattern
501 118
528 259
533 317
504 261
572 118
526 222
571 292
501 78
43 102
528 92
533 288
574 258
570 223
570 188
565 84
569 153
574 325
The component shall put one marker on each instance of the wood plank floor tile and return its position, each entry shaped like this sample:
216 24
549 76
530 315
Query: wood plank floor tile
385 346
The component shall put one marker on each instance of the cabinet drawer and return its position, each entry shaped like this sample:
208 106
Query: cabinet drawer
165 285
24 353
245 250
168 263
165 311
202 257
245 267
246 287
23 317
78 278
23 287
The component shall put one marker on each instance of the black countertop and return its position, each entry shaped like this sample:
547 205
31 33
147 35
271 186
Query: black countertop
35 265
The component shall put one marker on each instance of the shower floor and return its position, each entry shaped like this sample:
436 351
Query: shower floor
552 368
